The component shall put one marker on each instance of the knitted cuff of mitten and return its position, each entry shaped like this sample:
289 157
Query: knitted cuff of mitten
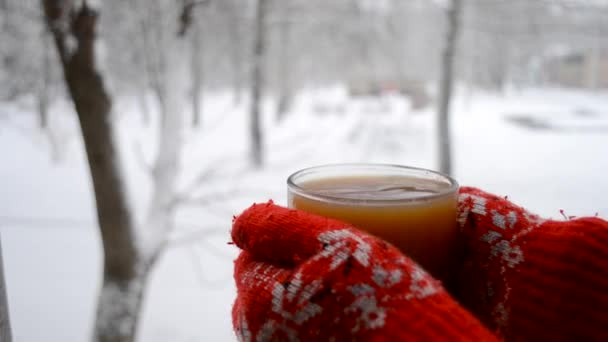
530 278
305 277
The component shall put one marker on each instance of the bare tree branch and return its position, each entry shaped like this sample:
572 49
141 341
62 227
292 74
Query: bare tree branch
198 268
216 197
206 176
195 237
140 157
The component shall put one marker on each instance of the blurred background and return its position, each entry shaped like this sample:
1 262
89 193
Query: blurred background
131 132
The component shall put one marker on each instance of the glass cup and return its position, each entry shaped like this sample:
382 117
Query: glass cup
414 209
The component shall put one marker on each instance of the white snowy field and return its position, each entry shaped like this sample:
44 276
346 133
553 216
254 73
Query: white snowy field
545 149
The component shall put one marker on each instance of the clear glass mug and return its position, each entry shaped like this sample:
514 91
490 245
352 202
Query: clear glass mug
414 209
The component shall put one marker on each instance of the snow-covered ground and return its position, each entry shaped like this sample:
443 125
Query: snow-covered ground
545 149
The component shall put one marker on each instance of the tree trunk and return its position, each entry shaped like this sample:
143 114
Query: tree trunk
445 87
284 79
118 309
143 104
119 302
170 88
257 82
143 48
593 61
164 174
237 58
5 322
45 83
197 73
156 55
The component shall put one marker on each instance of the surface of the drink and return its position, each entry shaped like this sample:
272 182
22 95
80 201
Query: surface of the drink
375 188
414 214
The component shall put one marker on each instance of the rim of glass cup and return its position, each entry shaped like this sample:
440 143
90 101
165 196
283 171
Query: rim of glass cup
452 184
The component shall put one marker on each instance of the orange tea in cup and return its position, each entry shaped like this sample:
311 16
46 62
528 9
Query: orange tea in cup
413 209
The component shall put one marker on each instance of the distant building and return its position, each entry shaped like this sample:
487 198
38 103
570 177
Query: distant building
580 69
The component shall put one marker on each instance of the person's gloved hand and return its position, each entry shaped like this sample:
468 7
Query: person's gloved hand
304 277
527 278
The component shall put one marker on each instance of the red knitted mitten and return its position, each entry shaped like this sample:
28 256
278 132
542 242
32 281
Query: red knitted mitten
533 279
306 277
